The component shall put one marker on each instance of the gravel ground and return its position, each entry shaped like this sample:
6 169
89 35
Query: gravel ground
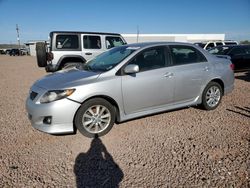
184 148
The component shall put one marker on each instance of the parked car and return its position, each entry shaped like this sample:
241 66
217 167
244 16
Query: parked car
7 51
14 52
69 48
210 44
23 51
127 82
239 55
2 51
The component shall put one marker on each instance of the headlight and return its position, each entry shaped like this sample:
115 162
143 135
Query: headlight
56 95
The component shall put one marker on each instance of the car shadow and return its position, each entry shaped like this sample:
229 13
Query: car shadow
245 76
244 111
97 168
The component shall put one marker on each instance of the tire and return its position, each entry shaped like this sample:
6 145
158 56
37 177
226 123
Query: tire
41 55
211 96
70 65
98 115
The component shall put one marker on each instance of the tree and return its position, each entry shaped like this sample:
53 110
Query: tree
245 42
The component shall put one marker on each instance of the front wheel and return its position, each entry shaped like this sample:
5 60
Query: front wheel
72 65
211 96
95 117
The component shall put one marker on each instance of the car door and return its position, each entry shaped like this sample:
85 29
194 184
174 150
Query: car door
237 57
152 86
92 46
190 71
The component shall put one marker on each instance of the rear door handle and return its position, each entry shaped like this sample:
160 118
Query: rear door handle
88 53
168 75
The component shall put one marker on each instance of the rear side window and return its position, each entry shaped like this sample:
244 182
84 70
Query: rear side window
219 44
67 42
92 42
230 43
186 55
113 42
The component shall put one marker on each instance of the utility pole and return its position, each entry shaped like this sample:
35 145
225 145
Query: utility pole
137 37
18 38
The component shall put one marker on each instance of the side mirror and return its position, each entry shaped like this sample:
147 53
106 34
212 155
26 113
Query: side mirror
132 68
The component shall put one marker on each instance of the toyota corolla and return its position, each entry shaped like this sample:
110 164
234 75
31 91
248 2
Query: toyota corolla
125 83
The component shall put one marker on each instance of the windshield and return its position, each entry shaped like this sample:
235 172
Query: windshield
109 59
222 50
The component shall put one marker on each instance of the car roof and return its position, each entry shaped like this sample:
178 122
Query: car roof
232 46
148 44
84 32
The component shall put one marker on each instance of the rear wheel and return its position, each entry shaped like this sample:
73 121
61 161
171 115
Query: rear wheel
211 96
41 54
95 117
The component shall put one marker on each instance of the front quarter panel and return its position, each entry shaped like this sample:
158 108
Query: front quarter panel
104 85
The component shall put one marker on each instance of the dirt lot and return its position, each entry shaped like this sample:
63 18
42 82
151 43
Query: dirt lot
185 148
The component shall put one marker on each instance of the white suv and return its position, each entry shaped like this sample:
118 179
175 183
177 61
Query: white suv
69 48
210 44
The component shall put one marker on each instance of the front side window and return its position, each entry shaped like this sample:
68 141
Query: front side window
67 42
237 51
210 45
186 55
113 42
150 59
92 42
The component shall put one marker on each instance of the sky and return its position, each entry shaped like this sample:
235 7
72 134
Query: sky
37 18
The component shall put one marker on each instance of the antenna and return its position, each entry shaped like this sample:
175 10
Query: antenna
18 38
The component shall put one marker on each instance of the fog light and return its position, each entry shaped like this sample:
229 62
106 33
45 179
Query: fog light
47 120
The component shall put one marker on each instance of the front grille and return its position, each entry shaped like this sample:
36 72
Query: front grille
33 95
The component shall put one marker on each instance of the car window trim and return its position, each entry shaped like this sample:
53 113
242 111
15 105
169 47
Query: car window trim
54 48
172 59
121 72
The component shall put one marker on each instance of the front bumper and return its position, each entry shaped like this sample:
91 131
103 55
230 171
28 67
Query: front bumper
61 111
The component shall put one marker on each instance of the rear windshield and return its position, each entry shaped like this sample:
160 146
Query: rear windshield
221 50
67 42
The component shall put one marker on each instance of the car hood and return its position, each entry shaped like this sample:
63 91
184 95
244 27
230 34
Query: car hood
66 79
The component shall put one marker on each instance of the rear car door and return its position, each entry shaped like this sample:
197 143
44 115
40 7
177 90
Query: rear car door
92 46
152 86
190 71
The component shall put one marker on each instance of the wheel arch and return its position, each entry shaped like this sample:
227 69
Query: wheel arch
111 101
69 58
219 81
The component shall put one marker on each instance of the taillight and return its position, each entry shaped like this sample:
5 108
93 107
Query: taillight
232 66
50 56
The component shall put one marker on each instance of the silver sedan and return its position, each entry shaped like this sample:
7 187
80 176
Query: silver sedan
128 82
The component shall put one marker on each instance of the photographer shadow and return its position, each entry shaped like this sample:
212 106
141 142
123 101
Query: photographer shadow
96 168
